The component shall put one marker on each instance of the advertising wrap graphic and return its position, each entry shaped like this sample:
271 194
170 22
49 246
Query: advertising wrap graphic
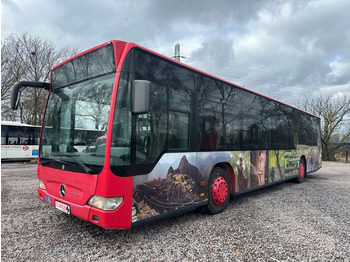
175 181
257 168
178 189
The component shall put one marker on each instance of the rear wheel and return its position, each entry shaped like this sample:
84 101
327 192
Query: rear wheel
302 172
219 191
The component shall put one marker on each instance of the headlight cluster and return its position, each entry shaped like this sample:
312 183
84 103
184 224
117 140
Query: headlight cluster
104 203
41 184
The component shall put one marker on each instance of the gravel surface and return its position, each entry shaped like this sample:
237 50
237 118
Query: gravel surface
285 222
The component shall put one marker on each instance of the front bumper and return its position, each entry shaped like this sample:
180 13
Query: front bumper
116 219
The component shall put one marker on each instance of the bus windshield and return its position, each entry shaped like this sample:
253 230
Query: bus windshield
76 119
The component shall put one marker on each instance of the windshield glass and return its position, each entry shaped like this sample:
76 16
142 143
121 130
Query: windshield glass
121 134
74 130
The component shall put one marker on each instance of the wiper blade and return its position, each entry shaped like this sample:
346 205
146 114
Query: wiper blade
46 161
86 169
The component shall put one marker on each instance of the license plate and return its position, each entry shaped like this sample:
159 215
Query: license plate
63 207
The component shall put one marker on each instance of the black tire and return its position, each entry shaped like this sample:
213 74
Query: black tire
302 172
219 191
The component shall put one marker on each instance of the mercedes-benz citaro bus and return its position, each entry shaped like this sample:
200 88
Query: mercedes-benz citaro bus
131 136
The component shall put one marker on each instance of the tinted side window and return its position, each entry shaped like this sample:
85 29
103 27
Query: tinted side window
179 117
179 99
281 120
306 128
209 114
19 135
179 130
151 128
4 135
170 101
253 131
235 119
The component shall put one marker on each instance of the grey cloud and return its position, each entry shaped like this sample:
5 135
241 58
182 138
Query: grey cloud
277 47
217 49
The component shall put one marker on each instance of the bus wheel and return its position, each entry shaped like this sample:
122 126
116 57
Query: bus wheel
219 191
302 172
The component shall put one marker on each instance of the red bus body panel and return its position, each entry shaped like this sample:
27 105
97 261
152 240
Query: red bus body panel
110 185
81 187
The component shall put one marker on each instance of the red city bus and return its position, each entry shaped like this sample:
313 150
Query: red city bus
161 138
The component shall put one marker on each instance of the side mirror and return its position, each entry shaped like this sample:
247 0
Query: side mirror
20 86
15 96
140 96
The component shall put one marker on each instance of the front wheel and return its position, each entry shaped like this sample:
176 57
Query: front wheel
219 191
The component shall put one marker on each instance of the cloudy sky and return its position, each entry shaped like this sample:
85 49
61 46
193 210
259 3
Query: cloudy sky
283 48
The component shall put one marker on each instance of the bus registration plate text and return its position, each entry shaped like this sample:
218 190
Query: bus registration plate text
63 207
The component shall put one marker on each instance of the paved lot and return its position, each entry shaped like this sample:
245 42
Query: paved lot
286 222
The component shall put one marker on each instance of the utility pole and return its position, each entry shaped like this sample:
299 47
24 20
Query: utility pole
177 55
177 52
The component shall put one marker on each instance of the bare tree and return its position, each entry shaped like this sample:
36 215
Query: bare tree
335 121
24 57
12 71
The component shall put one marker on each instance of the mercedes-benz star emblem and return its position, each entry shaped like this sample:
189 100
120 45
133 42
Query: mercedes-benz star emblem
62 190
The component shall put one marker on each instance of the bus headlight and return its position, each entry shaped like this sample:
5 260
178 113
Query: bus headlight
41 184
104 203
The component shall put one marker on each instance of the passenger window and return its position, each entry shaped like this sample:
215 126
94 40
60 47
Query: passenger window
178 130
179 99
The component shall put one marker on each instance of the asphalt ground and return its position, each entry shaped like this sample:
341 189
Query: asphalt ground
284 222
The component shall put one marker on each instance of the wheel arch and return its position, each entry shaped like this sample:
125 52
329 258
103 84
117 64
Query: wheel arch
229 170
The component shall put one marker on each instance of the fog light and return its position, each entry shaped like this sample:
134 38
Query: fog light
104 203
41 184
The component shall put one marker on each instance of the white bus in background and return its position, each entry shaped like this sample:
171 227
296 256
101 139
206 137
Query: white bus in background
19 141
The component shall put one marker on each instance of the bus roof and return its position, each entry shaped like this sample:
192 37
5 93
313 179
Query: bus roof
12 123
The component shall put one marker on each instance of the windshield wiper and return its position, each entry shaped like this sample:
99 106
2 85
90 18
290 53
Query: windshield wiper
46 161
86 169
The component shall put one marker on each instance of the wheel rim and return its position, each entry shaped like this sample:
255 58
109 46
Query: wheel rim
301 171
219 191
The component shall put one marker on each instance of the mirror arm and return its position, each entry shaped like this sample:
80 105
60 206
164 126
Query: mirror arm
18 88
22 84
